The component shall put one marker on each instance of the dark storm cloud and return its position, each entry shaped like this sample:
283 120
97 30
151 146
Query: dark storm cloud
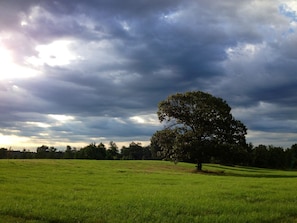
11 11
129 55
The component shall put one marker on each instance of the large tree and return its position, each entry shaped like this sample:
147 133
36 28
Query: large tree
197 124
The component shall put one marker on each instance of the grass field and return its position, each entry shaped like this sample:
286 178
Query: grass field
39 191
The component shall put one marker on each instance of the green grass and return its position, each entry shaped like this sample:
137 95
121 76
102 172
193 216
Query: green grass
39 191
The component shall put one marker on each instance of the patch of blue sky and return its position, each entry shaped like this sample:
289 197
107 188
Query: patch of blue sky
290 13
287 11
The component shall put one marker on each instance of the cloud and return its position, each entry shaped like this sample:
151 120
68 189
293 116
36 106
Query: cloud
107 64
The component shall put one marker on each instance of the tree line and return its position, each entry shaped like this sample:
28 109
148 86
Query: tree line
261 156
256 156
93 151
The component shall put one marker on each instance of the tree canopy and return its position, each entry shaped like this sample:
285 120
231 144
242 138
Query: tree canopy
197 124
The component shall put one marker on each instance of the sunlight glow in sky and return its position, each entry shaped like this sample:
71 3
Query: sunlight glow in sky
146 119
62 118
56 53
10 70
8 140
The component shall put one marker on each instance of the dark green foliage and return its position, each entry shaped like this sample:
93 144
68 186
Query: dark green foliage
292 156
69 153
45 152
113 151
3 153
11 154
197 125
136 152
277 157
92 151
273 157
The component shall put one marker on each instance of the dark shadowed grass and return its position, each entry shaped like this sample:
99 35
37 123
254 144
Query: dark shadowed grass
143 191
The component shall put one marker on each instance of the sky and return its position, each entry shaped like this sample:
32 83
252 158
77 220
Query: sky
76 72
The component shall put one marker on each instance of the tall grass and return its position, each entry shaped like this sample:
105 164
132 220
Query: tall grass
142 191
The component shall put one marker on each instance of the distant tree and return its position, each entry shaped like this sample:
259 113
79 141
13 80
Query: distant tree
277 157
53 153
196 125
135 151
80 154
26 154
69 153
92 151
45 152
270 157
292 157
42 152
101 151
112 153
147 153
260 156
232 154
3 153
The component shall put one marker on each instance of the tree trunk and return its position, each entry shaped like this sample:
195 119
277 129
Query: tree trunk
199 166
